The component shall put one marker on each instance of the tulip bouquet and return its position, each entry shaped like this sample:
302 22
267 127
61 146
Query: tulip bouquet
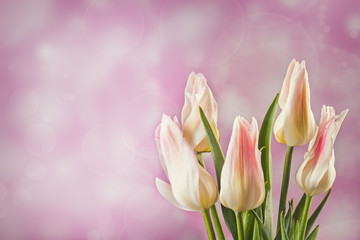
244 176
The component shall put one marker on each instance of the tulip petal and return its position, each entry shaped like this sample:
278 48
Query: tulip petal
254 132
338 121
317 173
299 123
328 179
208 189
197 94
295 125
166 191
284 93
161 157
242 180
188 99
279 128
181 164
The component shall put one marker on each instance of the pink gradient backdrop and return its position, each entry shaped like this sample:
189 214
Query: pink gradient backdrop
84 84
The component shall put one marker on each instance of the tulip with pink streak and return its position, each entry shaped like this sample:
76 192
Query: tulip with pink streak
191 187
317 173
242 179
198 93
295 125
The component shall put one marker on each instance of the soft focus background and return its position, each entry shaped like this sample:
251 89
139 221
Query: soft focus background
84 84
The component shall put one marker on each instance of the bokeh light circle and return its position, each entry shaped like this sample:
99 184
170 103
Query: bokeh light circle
24 102
114 27
105 150
194 27
257 71
169 219
35 170
40 139
23 196
143 115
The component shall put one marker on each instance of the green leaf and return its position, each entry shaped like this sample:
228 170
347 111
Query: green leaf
219 159
313 234
316 213
251 229
299 208
297 229
256 233
288 222
266 162
249 225
304 217
282 227
285 183
265 234
288 217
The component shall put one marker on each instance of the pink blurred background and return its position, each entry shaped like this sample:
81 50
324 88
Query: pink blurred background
84 84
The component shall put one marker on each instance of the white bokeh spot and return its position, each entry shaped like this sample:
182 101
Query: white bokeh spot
112 35
40 139
24 102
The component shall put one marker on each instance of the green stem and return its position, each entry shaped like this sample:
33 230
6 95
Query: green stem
217 223
208 224
285 184
201 159
240 226
213 209
304 217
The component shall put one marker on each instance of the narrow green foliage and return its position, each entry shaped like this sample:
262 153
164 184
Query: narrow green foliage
265 234
288 217
208 224
316 213
217 223
240 225
304 217
248 224
285 184
283 231
296 230
200 158
265 147
256 233
288 223
299 208
313 234
216 150
219 159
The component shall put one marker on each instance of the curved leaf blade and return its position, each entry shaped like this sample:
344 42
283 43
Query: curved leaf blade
316 213
264 144
219 159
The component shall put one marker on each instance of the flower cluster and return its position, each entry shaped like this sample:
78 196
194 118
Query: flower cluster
244 175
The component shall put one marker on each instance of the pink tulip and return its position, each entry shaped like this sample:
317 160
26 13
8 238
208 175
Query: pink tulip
242 179
191 187
198 93
317 173
295 125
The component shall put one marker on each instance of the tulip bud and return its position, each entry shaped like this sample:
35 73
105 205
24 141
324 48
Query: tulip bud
191 187
198 93
242 178
295 125
317 173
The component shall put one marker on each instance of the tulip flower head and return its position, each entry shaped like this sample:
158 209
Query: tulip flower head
295 125
191 187
242 178
198 93
317 173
